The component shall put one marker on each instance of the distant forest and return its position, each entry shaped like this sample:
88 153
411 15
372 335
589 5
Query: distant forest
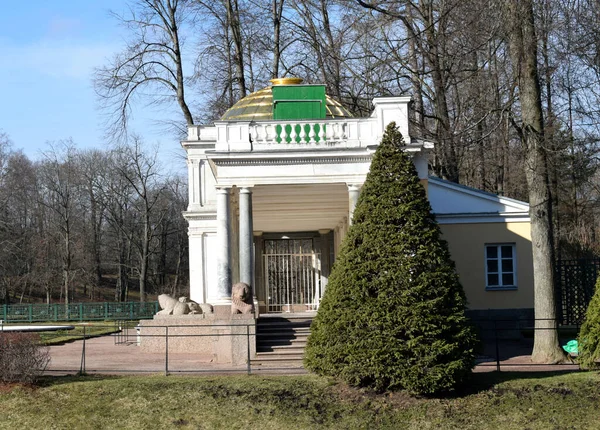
77 225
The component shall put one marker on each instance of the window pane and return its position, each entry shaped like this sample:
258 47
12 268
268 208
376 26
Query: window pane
492 280
507 251
492 266
507 266
508 279
492 252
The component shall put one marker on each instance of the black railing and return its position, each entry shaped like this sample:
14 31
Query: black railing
506 346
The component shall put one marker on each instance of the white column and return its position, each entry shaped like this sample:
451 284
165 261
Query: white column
222 292
246 238
325 261
353 192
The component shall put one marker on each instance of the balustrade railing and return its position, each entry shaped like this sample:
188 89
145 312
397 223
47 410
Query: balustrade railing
299 132
271 134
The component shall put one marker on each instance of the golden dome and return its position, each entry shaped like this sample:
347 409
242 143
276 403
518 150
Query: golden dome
259 105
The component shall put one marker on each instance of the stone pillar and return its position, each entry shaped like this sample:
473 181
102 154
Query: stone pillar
259 283
246 242
353 192
222 292
234 234
196 184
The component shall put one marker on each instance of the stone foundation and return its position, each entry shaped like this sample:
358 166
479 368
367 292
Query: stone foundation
218 338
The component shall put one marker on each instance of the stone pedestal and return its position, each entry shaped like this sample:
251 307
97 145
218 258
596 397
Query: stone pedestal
215 337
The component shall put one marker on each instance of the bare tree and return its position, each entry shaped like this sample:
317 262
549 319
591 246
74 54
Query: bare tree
142 173
151 65
59 179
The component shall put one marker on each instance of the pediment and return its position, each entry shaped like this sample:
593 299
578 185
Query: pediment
450 198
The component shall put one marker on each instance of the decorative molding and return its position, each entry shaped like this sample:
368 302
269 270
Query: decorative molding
195 216
481 217
292 161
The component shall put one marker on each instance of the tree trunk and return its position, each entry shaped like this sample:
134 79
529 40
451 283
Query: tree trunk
277 12
448 166
233 18
523 53
174 31
67 263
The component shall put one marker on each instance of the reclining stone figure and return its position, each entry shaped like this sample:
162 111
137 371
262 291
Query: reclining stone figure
181 306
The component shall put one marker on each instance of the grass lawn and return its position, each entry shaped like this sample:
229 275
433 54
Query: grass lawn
92 329
496 401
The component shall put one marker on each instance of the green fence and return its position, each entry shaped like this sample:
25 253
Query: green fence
78 312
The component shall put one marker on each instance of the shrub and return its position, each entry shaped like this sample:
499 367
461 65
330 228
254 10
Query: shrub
22 358
589 334
392 315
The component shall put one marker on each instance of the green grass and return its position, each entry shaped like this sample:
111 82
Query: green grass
496 401
92 329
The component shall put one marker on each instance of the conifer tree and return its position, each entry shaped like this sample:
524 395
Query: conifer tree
392 316
589 334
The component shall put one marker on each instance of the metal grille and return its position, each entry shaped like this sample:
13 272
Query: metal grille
575 285
293 275
78 311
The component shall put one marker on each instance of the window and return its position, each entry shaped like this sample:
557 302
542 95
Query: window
500 267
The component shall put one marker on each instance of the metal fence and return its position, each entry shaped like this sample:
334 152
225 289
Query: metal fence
507 346
120 353
575 286
105 311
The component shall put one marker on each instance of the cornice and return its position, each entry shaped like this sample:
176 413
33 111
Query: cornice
233 162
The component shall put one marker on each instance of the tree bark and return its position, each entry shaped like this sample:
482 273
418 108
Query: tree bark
277 13
233 18
523 53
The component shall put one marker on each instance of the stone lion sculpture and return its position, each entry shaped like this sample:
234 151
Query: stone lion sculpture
241 299
181 306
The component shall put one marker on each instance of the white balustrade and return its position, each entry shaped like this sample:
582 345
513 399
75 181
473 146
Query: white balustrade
344 132
312 134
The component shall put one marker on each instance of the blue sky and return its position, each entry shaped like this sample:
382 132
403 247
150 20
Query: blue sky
48 50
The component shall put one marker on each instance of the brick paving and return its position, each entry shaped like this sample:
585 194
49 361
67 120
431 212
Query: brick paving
103 355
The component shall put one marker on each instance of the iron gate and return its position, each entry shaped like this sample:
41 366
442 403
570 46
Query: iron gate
292 275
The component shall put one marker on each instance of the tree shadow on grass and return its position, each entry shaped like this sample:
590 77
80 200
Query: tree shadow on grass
485 381
54 380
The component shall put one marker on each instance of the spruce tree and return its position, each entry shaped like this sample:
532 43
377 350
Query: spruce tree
392 316
589 334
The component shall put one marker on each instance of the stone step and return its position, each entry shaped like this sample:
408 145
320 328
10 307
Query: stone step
257 365
282 340
283 334
282 348
282 327
278 359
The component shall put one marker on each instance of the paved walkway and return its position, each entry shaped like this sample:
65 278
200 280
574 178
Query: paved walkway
103 355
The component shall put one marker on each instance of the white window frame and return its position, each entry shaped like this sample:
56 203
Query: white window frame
499 259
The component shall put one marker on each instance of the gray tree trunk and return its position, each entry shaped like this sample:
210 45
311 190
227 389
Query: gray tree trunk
523 53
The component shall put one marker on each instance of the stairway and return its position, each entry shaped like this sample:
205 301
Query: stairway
280 340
